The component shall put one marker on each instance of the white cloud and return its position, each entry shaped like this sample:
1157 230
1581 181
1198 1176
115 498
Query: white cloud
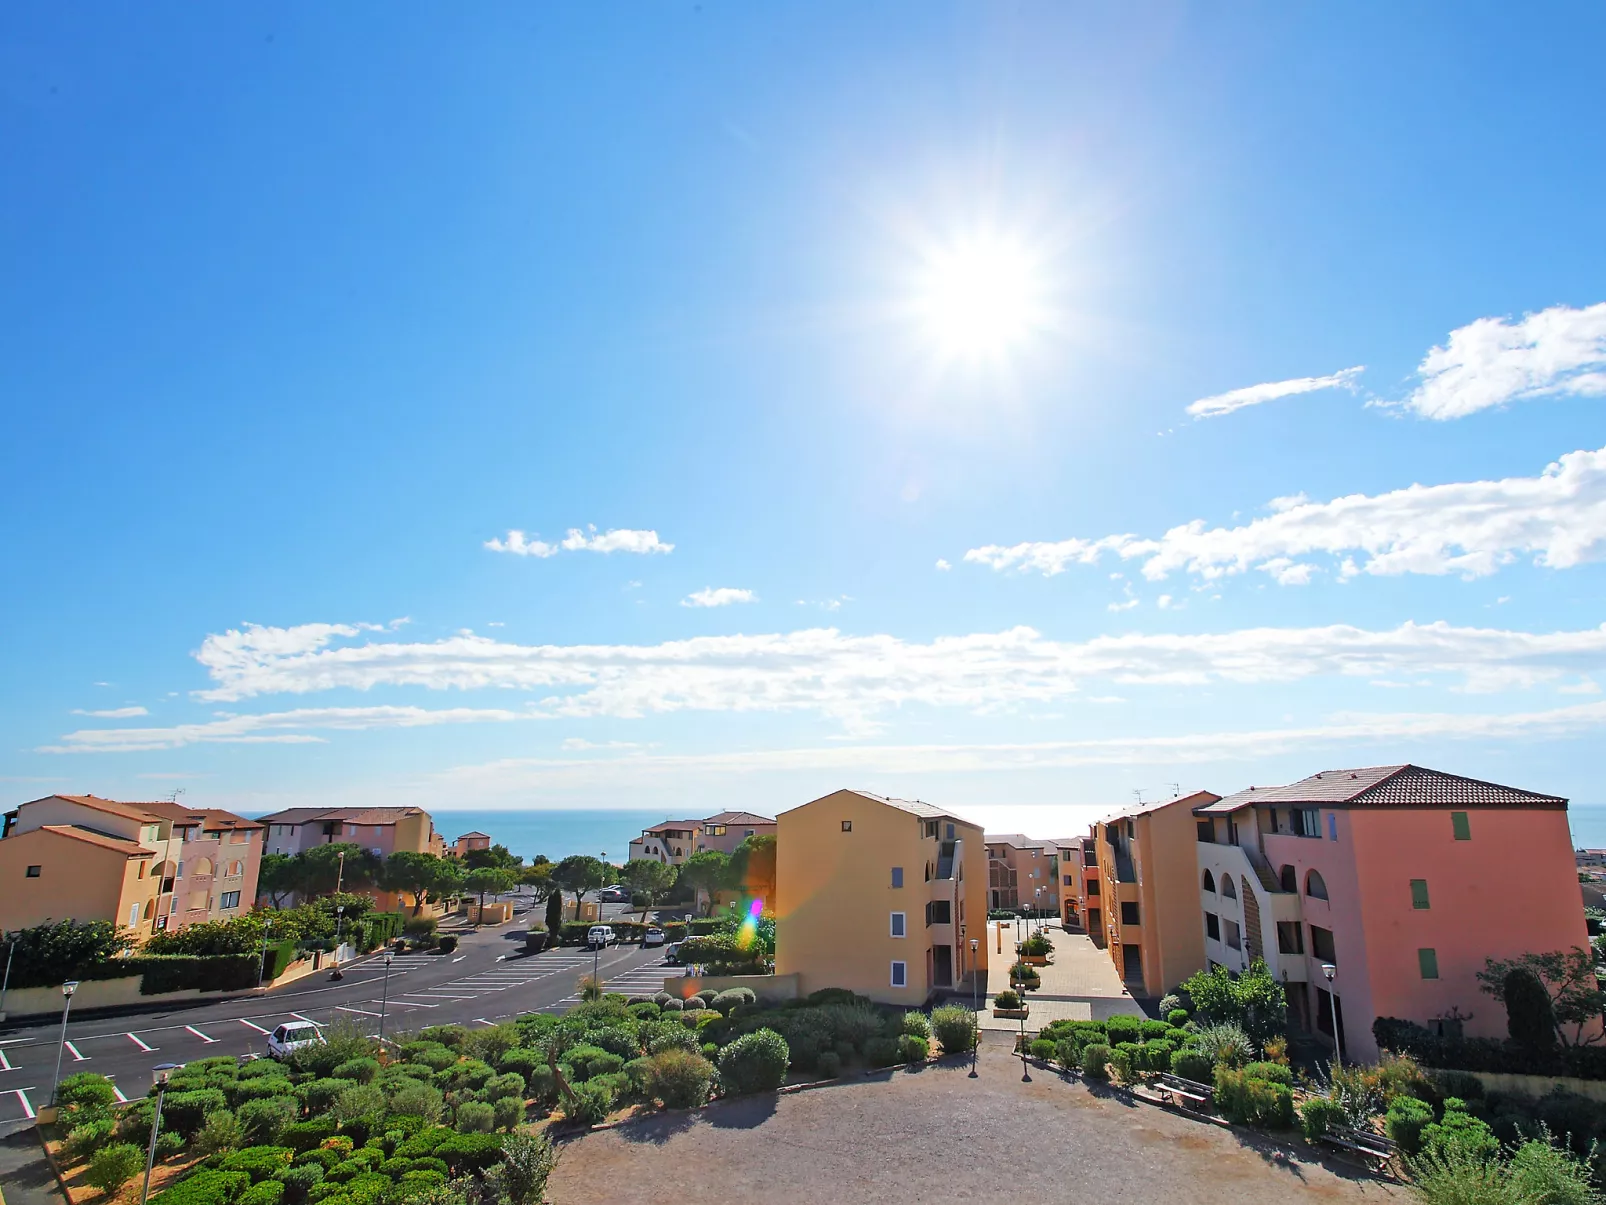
1495 361
854 678
724 596
621 539
943 565
113 713
1254 395
275 728
1471 528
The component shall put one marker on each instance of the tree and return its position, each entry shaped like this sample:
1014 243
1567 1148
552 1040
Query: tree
1253 1001
280 877
538 878
423 876
648 876
581 873
323 870
752 869
1568 976
1530 1017
706 870
496 857
489 881
554 913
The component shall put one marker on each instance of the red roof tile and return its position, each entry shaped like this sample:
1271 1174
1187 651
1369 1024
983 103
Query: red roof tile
1387 786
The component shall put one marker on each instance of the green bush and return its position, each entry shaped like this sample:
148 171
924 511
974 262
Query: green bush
591 1104
1225 1043
507 1112
498 1086
916 1024
1459 1129
1041 1048
259 1087
912 1048
1245 1100
185 1112
113 1166
258 1162
88 1137
1405 1121
1271 1073
1068 1053
303 1135
754 1062
1318 1115
678 1078
418 1100
475 1118
1122 1029
1008 998
317 1095
1193 1064
433 1055
1122 1062
299 1181
362 1070
269 1192
86 1091
955 1029
1157 1054
854 1022
1177 1017
731 999
829 1064
1096 1061
206 1187
881 1051
322 1156
521 1061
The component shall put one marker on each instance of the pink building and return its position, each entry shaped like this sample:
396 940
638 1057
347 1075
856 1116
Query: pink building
1403 880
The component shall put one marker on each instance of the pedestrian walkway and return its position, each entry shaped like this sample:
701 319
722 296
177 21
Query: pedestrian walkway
1079 984
24 1171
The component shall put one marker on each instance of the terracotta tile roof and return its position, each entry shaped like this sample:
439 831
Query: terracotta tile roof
1019 841
1196 801
916 807
210 819
1387 786
688 825
89 836
466 836
739 818
129 811
344 815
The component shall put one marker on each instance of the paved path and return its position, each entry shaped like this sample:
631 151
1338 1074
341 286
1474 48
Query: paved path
1080 984
25 1174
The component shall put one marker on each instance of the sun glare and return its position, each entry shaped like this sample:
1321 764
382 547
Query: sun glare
982 299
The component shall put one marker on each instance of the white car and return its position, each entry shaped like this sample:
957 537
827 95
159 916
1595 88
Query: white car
599 935
654 936
292 1037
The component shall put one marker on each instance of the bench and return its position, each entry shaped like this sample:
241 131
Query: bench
1175 1086
1364 1143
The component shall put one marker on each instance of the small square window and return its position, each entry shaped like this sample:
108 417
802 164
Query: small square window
900 974
1460 826
1419 893
33 872
899 926
897 876
847 826
1428 962
1212 926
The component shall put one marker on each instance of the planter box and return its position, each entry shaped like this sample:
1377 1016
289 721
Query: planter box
1025 984
1014 1014
1033 960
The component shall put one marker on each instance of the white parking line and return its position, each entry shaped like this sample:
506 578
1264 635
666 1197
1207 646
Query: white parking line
5 1064
199 1034
342 1008
299 1017
251 1024
77 1057
135 1038
483 1021
441 995
118 1092
22 1095
459 958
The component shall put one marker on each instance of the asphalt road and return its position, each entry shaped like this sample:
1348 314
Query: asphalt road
488 978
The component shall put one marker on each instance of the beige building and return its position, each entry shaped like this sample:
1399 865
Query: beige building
880 896
180 865
1022 872
1147 902
381 831
674 841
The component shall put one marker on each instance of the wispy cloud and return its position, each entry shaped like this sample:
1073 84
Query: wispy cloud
1470 528
622 539
1496 361
1254 395
296 727
723 596
113 713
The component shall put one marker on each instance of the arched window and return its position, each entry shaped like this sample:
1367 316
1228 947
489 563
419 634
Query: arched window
1288 879
1227 889
201 866
235 870
1315 887
1210 882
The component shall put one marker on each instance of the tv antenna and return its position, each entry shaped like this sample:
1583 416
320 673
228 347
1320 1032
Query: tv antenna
1176 789
1137 794
172 796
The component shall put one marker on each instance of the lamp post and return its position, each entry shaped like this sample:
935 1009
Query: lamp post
6 982
262 966
975 1006
1025 1072
1328 971
384 995
159 1075
67 989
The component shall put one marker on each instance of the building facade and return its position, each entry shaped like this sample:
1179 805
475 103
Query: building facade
674 841
381 831
885 897
1397 878
1022 872
468 842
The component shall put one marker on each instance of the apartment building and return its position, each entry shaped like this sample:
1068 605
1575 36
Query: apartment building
469 842
382 831
148 866
881 896
1073 879
1399 879
674 841
1142 901
1022 872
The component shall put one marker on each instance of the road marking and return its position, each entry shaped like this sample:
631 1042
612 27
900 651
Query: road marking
460 958
77 1058
299 1017
22 1095
118 1092
363 1011
499 957
5 1063
441 995
199 1034
483 1021
135 1038
251 1024
415 1004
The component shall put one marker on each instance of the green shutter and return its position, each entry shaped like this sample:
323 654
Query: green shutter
1459 823
1428 961
1419 893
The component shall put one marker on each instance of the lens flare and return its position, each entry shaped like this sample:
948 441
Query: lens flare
747 932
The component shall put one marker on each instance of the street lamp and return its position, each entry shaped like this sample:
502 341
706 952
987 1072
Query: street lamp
67 989
262 966
6 982
384 996
159 1076
1025 1073
975 1007
1328 971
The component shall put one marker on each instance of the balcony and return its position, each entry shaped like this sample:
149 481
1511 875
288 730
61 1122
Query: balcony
1124 871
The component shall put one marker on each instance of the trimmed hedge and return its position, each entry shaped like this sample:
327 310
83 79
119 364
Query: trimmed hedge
208 1187
1487 1054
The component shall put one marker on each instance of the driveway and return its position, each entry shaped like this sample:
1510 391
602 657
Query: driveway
937 1135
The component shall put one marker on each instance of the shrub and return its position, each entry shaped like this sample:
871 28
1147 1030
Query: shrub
362 1070
206 1187
1068 1054
1320 1114
1122 1029
1405 1121
955 1028
448 943
322 1156
168 1143
521 1061
916 1023
1170 1003
912 1048
185 1112
881 1052
731 999
1225 1043
1096 1061
1246 1100
317 1095
498 1086
591 1061
269 1192
258 1162
475 1118
1540 1172
1461 1130
114 1166
1193 1064
672 1005
1041 1048
86 1091
590 1105
829 1064
430 1054
299 1181
754 1062
257 1088
303 1135
470 1074
854 1022
1457 1083
88 1137
1008 998
507 1112
1177 1017
1121 1062
678 1078
418 1100
1271 1073
1156 1054
470 1152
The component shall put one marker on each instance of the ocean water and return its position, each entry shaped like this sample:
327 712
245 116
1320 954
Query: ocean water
1588 822
557 834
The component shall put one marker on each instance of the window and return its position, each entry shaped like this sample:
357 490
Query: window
1212 926
141 873
1209 882
899 925
33 872
1427 962
1419 893
237 868
1070 880
172 905
1207 832
1288 880
950 832
1321 944
197 901
1332 826
1092 886
900 974
240 836
897 876
1234 940
1315 886
1460 826
229 899
202 866
939 912
133 915
1129 913
1227 889
1290 937
847 826
748 832
1131 830
1307 822
180 873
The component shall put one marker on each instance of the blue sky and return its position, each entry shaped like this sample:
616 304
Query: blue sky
784 309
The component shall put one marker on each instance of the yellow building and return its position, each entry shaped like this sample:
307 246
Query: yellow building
65 872
1147 898
880 896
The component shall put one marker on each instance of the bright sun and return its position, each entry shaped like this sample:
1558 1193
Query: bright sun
982 298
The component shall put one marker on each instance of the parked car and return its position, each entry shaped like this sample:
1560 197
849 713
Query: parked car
654 936
672 954
286 1039
614 895
598 936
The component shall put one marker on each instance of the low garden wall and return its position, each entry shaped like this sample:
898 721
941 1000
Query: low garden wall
1540 1085
123 992
772 988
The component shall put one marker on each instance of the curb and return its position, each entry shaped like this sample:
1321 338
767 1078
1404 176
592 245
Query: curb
55 1168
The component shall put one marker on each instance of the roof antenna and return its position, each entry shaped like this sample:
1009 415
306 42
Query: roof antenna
172 796
1176 789
1138 795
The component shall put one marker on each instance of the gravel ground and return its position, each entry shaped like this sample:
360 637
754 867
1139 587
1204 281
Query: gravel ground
937 1135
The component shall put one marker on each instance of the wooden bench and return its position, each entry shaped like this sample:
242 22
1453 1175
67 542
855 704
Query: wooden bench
1370 1146
1175 1086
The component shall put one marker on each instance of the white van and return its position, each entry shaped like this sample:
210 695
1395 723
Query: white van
598 936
